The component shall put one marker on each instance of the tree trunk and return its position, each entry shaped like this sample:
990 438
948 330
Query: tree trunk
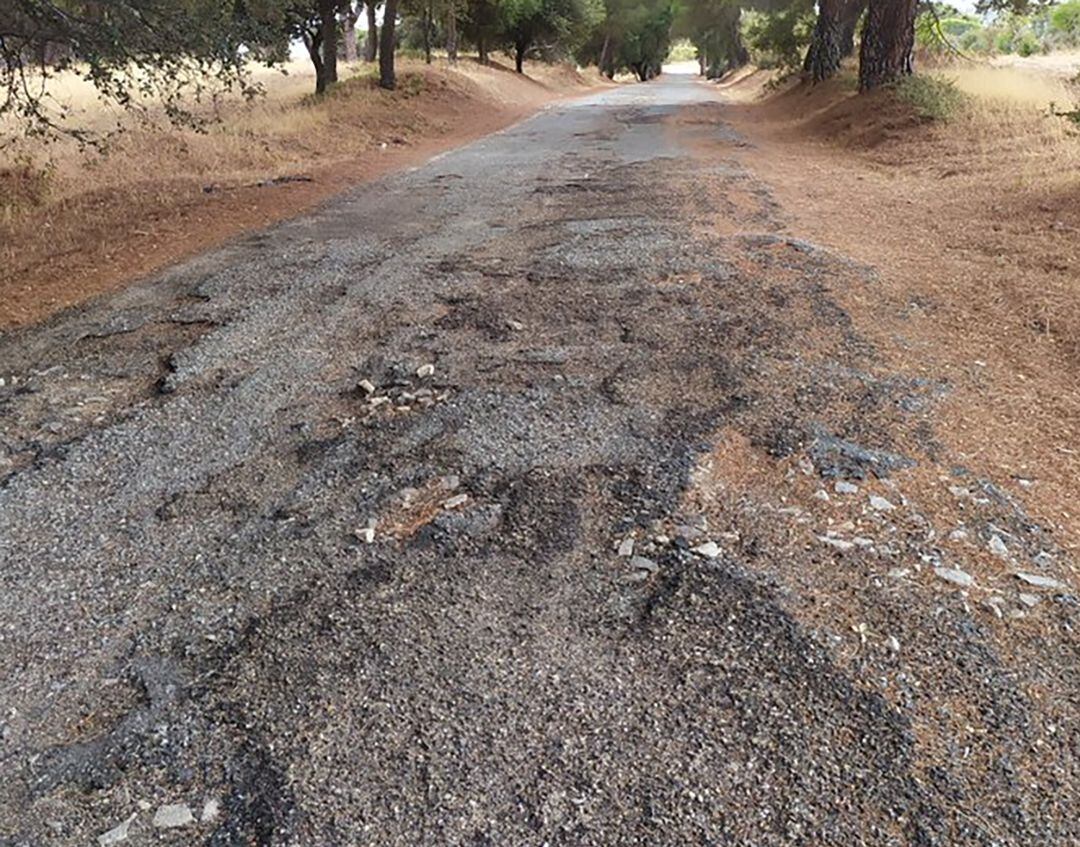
849 22
451 34
328 27
833 38
605 54
371 42
427 33
481 49
702 62
351 16
519 56
387 79
313 43
888 39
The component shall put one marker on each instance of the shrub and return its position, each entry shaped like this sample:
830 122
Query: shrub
933 98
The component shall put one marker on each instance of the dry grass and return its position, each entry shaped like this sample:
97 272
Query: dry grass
75 222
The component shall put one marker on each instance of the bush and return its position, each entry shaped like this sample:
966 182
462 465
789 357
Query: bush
1065 20
933 98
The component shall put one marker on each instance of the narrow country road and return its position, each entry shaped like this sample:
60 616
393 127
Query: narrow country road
542 495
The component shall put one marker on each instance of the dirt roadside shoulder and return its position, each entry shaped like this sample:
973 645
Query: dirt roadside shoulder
969 256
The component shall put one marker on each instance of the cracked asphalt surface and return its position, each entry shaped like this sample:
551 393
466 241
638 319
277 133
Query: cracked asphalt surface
259 559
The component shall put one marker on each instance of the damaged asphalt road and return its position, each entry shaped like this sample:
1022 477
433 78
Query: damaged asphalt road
393 525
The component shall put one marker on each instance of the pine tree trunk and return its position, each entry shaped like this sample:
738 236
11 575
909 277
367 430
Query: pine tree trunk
519 56
387 78
826 49
451 34
328 23
849 22
371 43
887 42
350 34
427 34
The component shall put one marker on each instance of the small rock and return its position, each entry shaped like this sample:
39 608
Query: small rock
661 539
957 577
806 466
708 550
842 486
1030 600
880 504
210 810
455 501
173 816
898 573
640 563
894 643
1025 483
425 371
117 834
821 494
367 385
450 482
838 543
860 541
626 547
367 534
688 533
959 491
997 547
958 535
1040 581
516 326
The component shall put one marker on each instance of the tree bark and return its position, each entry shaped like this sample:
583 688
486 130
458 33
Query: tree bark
313 43
888 39
371 42
387 78
481 50
605 54
328 36
451 34
351 16
427 33
833 37
519 56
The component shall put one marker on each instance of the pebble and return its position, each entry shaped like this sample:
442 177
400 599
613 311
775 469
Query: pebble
958 535
117 834
838 543
367 534
1030 600
661 539
367 386
640 563
516 326
172 816
455 501
880 503
844 487
451 481
958 577
210 810
709 550
821 494
997 546
898 573
688 533
425 370
1040 581
894 643
626 547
